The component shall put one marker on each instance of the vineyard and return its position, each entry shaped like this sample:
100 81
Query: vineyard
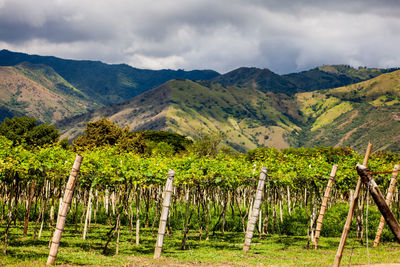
119 194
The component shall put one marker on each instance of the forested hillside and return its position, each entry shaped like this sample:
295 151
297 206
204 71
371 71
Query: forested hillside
331 105
105 83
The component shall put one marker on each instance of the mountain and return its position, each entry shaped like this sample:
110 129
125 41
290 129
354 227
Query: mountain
260 79
323 77
345 116
104 83
246 116
331 105
38 91
332 76
352 115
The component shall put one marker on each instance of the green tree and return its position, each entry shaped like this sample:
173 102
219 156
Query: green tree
208 144
26 131
177 141
106 133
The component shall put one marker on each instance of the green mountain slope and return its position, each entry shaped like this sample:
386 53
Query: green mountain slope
253 107
246 116
353 115
38 91
260 79
332 76
344 116
323 77
104 83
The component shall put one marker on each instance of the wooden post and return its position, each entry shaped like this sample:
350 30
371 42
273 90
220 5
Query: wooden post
138 193
324 205
164 214
379 200
62 215
346 227
255 211
88 211
389 197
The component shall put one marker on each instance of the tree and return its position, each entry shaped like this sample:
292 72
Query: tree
106 133
100 133
178 142
25 131
42 134
208 144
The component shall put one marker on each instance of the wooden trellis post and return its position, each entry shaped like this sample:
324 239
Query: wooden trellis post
353 204
255 211
62 215
379 200
389 197
324 205
164 213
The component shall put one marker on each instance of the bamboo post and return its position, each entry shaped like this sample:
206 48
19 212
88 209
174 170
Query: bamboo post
62 215
164 214
255 211
324 205
389 197
379 200
353 203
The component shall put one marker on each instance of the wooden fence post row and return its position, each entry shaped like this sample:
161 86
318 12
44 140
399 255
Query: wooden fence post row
255 211
164 213
389 197
324 205
62 215
353 204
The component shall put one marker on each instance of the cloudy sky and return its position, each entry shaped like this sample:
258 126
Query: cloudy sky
284 36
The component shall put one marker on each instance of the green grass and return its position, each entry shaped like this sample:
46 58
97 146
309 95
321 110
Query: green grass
219 250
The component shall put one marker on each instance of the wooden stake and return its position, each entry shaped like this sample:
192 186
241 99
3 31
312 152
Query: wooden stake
255 211
164 214
346 227
389 197
138 192
324 205
88 211
62 215
379 200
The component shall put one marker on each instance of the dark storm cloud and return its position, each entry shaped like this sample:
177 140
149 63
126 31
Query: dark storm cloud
285 36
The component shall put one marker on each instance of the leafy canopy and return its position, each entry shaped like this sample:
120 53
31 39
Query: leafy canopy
26 131
106 133
163 140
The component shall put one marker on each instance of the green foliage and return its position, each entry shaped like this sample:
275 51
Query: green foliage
100 133
177 142
162 149
106 133
208 144
64 143
42 134
24 130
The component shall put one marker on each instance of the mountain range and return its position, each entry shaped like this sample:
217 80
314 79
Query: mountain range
335 105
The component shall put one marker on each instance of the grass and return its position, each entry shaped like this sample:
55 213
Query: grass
237 112
330 115
219 250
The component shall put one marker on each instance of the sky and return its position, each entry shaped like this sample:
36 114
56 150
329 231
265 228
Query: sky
283 36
